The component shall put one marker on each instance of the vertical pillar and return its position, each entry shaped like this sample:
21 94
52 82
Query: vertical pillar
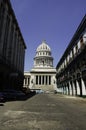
9 38
74 91
48 80
83 87
13 46
3 30
64 89
27 80
24 81
70 88
67 90
44 80
77 87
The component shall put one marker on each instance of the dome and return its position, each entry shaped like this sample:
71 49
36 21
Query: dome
43 56
43 47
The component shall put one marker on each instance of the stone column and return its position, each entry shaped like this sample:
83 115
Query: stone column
27 80
83 87
62 90
44 80
9 39
70 88
77 87
3 30
22 57
74 91
67 90
24 82
13 46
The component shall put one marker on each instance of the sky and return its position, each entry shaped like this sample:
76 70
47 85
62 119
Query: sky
52 20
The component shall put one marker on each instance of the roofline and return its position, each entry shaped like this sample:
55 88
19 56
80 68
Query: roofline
74 38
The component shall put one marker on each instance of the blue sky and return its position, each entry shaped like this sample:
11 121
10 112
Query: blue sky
52 20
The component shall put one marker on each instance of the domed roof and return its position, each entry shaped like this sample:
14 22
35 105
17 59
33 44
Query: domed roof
43 47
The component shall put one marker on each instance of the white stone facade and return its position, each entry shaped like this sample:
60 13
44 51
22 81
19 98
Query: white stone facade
42 76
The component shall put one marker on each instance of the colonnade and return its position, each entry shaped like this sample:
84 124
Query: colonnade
38 80
74 87
43 80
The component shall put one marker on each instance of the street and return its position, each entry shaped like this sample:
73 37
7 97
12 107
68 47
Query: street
44 112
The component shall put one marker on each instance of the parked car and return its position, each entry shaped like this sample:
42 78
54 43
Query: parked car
11 94
2 98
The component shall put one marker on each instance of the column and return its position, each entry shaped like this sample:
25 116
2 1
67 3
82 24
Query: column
20 54
13 46
18 60
44 80
74 91
24 82
17 49
9 41
67 90
27 80
83 87
62 90
77 87
4 16
70 88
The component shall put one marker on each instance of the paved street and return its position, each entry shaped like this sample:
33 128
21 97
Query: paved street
44 112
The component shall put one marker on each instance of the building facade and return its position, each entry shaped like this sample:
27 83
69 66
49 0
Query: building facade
71 69
42 76
12 48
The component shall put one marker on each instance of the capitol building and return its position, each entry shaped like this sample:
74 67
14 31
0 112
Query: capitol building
42 75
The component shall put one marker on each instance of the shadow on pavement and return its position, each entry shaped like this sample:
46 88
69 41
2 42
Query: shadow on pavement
1 104
21 98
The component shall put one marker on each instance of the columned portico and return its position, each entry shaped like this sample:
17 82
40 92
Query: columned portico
43 73
43 79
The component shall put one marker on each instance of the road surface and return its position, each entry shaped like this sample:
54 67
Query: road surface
44 112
